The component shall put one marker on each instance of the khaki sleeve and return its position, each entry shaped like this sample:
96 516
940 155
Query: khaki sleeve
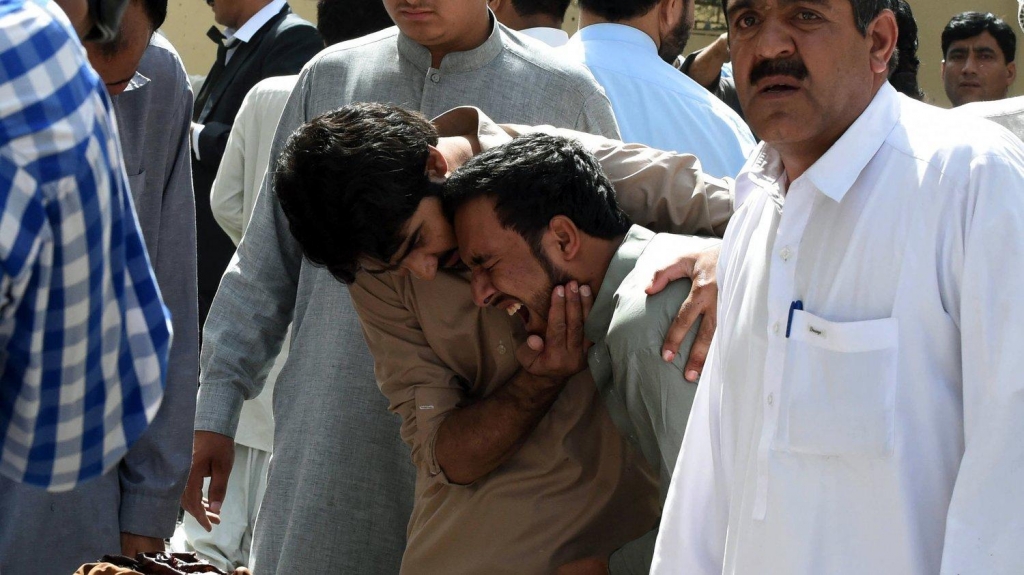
662 191
420 388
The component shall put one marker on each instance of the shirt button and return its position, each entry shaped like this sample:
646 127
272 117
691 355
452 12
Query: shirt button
435 77
785 254
771 398
501 348
775 327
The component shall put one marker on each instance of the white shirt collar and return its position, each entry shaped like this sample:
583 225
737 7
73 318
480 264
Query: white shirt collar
836 171
553 37
608 31
253 25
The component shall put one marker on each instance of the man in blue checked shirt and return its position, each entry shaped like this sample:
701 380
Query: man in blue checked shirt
84 334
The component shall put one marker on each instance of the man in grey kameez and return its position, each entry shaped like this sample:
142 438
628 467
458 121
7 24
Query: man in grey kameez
135 506
340 489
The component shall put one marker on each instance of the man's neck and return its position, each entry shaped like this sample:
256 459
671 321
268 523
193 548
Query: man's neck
251 9
798 157
596 257
458 150
537 21
646 23
471 38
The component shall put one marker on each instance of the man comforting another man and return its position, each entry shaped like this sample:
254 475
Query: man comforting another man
489 432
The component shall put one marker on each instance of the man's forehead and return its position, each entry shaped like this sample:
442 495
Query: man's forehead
983 41
737 4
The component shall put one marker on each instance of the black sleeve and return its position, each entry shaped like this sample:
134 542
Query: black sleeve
289 52
292 48
212 141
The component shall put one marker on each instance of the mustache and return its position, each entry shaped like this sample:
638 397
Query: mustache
793 67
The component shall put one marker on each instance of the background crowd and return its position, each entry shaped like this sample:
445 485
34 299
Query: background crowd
360 407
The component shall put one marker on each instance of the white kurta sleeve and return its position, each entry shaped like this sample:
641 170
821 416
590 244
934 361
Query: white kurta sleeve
228 191
986 514
696 515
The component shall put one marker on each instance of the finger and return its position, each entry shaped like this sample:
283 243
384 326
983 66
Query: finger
701 345
687 316
586 301
573 318
698 354
213 517
191 498
529 351
681 268
535 343
555 337
221 470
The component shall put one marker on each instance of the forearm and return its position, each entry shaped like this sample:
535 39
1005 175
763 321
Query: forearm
475 440
706 66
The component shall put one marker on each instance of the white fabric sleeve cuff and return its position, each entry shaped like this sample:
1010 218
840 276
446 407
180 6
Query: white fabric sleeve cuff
196 130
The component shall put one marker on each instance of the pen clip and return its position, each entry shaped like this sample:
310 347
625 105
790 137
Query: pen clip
797 304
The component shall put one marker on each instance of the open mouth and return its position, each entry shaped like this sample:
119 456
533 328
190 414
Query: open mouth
514 308
778 84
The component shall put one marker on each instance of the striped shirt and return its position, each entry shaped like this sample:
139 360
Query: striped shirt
84 334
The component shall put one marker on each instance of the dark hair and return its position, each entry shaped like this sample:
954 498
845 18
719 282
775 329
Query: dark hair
864 11
970 24
156 11
535 178
904 64
616 10
348 181
341 20
555 8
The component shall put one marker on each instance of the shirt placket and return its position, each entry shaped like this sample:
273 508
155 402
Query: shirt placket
432 99
781 298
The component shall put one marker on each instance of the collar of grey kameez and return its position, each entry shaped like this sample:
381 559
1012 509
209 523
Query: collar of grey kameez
455 62
137 81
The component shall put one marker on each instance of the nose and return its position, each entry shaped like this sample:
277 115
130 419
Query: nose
970 65
483 290
773 39
423 267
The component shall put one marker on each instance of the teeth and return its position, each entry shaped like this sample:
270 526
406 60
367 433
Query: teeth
512 309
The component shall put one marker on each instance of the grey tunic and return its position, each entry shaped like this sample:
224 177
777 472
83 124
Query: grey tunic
44 532
341 481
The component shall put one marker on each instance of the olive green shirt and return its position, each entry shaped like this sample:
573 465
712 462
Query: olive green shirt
647 398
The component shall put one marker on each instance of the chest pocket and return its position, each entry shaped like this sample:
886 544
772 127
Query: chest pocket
839 387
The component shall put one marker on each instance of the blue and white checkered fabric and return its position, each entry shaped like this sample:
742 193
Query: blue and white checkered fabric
84 334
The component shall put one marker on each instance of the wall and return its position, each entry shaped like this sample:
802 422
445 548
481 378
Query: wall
188 20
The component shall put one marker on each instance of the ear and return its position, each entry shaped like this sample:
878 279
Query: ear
882 32
501 9
668 11
437 165
1011 71
565 239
